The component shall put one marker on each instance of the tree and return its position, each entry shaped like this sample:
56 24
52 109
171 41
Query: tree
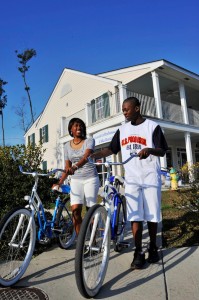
20 111
3 103
23 58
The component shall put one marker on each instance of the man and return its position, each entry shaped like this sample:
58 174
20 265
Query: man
142 175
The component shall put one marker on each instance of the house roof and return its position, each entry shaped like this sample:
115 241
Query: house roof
152 64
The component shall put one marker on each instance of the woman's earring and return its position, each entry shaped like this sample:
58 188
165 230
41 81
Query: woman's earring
71 133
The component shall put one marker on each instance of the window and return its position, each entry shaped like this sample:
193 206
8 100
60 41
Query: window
31 139
44 134
100 107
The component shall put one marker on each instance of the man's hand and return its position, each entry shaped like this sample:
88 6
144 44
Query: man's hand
144 153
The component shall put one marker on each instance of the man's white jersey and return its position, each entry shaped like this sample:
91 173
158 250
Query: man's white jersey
133 138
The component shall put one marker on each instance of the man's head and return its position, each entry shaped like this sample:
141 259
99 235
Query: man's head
131 109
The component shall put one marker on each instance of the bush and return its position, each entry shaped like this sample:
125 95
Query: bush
14 184
190 198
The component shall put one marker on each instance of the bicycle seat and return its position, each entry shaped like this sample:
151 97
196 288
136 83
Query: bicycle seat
65 188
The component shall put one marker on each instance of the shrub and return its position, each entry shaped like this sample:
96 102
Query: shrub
14 184
190 198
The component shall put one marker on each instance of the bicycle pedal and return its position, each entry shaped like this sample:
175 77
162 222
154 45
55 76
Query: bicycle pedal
44 242
124 244
57 230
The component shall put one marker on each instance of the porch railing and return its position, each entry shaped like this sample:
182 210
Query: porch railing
171 112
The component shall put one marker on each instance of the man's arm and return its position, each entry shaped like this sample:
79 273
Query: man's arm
113 148
144 153
160 145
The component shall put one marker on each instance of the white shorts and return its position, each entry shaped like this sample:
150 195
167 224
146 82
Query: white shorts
84 191
143 202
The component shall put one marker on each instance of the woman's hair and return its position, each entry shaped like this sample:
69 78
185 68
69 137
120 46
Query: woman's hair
79 121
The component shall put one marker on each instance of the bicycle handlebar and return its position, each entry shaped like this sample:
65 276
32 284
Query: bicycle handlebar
40 174
107 164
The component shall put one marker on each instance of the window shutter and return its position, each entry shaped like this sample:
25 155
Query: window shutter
29 140
33 139
40 134
44 165
106 105
93 111
46 133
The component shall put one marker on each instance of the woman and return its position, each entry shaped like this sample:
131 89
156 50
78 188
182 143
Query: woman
84 179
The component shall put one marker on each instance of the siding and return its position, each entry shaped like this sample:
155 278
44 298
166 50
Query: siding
69 98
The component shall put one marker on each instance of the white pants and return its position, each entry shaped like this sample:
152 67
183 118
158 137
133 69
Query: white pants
143 202
84 190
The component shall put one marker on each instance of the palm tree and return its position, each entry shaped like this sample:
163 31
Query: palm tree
3 103
24 57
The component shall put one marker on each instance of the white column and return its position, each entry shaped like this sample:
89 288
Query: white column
88 113
156 91
189 154
183 103
188 148
114 169
163 162
122 93
120 167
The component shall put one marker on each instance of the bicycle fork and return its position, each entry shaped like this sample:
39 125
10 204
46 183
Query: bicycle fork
93 233
21 219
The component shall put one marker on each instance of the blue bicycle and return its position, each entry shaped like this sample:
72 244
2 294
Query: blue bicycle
100 225
20 228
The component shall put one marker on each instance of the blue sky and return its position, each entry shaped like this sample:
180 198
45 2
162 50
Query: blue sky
91 36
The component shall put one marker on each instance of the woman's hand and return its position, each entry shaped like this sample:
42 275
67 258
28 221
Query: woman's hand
55 186
71 171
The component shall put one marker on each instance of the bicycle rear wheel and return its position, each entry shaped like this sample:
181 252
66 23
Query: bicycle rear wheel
120 224
17 242
91 261
65 222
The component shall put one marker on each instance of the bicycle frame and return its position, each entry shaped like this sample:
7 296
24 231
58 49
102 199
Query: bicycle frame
110 198
36 207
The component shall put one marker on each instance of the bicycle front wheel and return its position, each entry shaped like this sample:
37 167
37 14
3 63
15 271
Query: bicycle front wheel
92 252
17 243
65 222
120 224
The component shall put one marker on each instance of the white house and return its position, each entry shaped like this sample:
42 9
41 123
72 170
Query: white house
169 94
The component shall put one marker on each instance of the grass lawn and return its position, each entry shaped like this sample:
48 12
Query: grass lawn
180 223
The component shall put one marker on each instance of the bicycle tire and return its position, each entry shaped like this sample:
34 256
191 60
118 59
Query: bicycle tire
91 263
119 224
15 257
65 223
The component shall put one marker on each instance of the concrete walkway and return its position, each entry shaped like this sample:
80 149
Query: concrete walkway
174 277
